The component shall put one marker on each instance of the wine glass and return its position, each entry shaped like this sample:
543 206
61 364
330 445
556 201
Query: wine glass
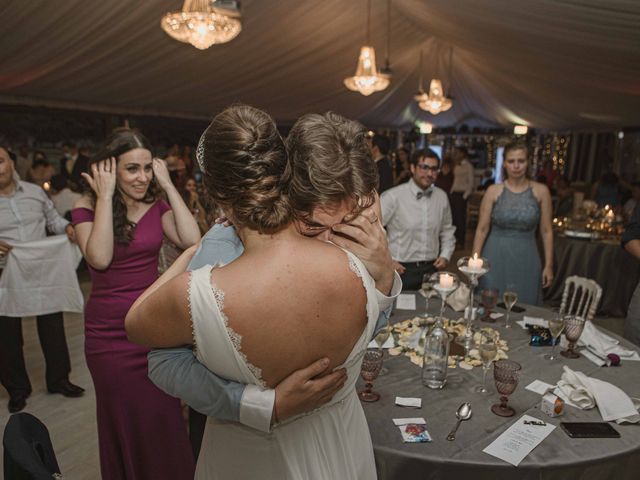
573 327
380 339
371 365
510 297
426 287
488 351
489 298
505 375
556 325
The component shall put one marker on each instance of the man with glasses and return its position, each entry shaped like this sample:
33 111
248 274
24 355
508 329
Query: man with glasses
417 216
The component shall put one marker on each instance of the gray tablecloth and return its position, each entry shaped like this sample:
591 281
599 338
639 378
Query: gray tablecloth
615 270
557 457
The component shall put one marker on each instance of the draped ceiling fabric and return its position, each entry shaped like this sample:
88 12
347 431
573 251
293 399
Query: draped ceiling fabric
550 64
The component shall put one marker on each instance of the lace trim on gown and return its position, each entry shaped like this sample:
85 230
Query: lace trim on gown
236 338
193 328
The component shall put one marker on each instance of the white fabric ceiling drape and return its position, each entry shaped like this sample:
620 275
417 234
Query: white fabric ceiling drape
553 64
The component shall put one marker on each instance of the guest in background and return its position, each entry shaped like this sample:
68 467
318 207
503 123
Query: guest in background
488 179
445 177
192 199
25 211
631 243
564 192
120 223
631 204
418 221
62 196
606 191
23 162
402 171
380 146
510 213
72 165
460 190
40 172
176 166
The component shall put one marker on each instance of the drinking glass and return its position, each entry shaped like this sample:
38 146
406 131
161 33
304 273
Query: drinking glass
489 298
505 375
488 351
573 327
427 286
380 339
510 297
371 365
556 325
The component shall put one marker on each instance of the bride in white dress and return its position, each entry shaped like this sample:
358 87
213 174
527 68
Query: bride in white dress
284 302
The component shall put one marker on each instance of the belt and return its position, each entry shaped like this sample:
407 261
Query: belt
418 264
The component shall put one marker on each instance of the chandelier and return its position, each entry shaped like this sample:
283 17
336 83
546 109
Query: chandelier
367 80
201 24
435 101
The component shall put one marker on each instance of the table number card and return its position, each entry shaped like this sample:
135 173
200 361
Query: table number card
519 440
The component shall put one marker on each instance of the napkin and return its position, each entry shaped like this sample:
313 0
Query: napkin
459 299
584 391
602 344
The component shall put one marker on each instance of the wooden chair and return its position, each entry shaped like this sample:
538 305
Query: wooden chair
580 297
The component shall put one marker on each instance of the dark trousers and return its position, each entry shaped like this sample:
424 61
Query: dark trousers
197 422
13 374
412 277
459 216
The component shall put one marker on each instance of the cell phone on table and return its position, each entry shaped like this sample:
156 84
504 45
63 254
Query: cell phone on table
589 430
514 309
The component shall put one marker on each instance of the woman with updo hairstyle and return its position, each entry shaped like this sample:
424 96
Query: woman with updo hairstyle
284 302
510 215
119 226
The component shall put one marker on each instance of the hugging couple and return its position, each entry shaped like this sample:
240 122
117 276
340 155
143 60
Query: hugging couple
276 322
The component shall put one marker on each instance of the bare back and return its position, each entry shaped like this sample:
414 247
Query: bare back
292 305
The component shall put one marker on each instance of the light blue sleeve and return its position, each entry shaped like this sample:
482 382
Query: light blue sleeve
176 371
383 318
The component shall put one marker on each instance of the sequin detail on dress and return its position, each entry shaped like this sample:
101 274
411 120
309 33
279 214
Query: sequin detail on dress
236 339
193 328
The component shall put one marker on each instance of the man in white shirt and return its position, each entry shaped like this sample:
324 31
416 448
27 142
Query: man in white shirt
417 217
463 179
25 210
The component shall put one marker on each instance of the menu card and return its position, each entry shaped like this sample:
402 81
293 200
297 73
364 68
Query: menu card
406 301
519 440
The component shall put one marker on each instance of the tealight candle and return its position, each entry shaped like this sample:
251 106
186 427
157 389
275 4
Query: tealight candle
446 280
475 263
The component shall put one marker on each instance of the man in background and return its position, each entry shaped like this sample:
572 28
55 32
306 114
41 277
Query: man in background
417 216
380 146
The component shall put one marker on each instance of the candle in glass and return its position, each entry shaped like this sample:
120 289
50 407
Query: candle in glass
446 281
475 263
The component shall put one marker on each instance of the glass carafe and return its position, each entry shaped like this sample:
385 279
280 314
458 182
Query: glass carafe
436 357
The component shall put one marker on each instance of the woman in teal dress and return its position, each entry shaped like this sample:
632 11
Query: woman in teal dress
510 214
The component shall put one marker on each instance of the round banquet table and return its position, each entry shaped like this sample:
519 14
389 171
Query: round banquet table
613 268
557 457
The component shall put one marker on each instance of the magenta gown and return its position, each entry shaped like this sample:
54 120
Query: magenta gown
141 432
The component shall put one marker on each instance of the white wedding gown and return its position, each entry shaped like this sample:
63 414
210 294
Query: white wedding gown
333 442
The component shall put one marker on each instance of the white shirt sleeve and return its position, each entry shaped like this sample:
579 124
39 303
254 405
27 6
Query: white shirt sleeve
256 407
385 301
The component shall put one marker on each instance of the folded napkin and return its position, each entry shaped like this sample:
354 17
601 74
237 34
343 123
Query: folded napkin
459 299
602 344
584 392
535 321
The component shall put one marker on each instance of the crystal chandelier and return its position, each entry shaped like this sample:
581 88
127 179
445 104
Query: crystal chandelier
435 101
201 24
367 80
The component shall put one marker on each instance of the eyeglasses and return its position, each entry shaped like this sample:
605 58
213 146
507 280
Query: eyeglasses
423 166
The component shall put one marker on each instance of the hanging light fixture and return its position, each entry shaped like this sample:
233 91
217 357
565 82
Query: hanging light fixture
435 101
202 24
367 80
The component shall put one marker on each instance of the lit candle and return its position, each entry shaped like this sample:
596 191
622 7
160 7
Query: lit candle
475 263
446 280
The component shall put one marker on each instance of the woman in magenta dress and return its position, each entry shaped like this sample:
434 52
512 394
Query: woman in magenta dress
119 227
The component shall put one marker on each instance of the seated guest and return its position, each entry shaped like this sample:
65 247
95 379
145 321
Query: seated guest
631 243
606 191
631 204
564 192
417 216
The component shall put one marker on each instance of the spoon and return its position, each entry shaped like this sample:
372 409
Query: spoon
463 413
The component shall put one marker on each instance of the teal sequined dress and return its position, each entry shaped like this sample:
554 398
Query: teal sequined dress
511 246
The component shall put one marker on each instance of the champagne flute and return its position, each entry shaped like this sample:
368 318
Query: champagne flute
556 325
510 298
488 352
427 285
380 339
